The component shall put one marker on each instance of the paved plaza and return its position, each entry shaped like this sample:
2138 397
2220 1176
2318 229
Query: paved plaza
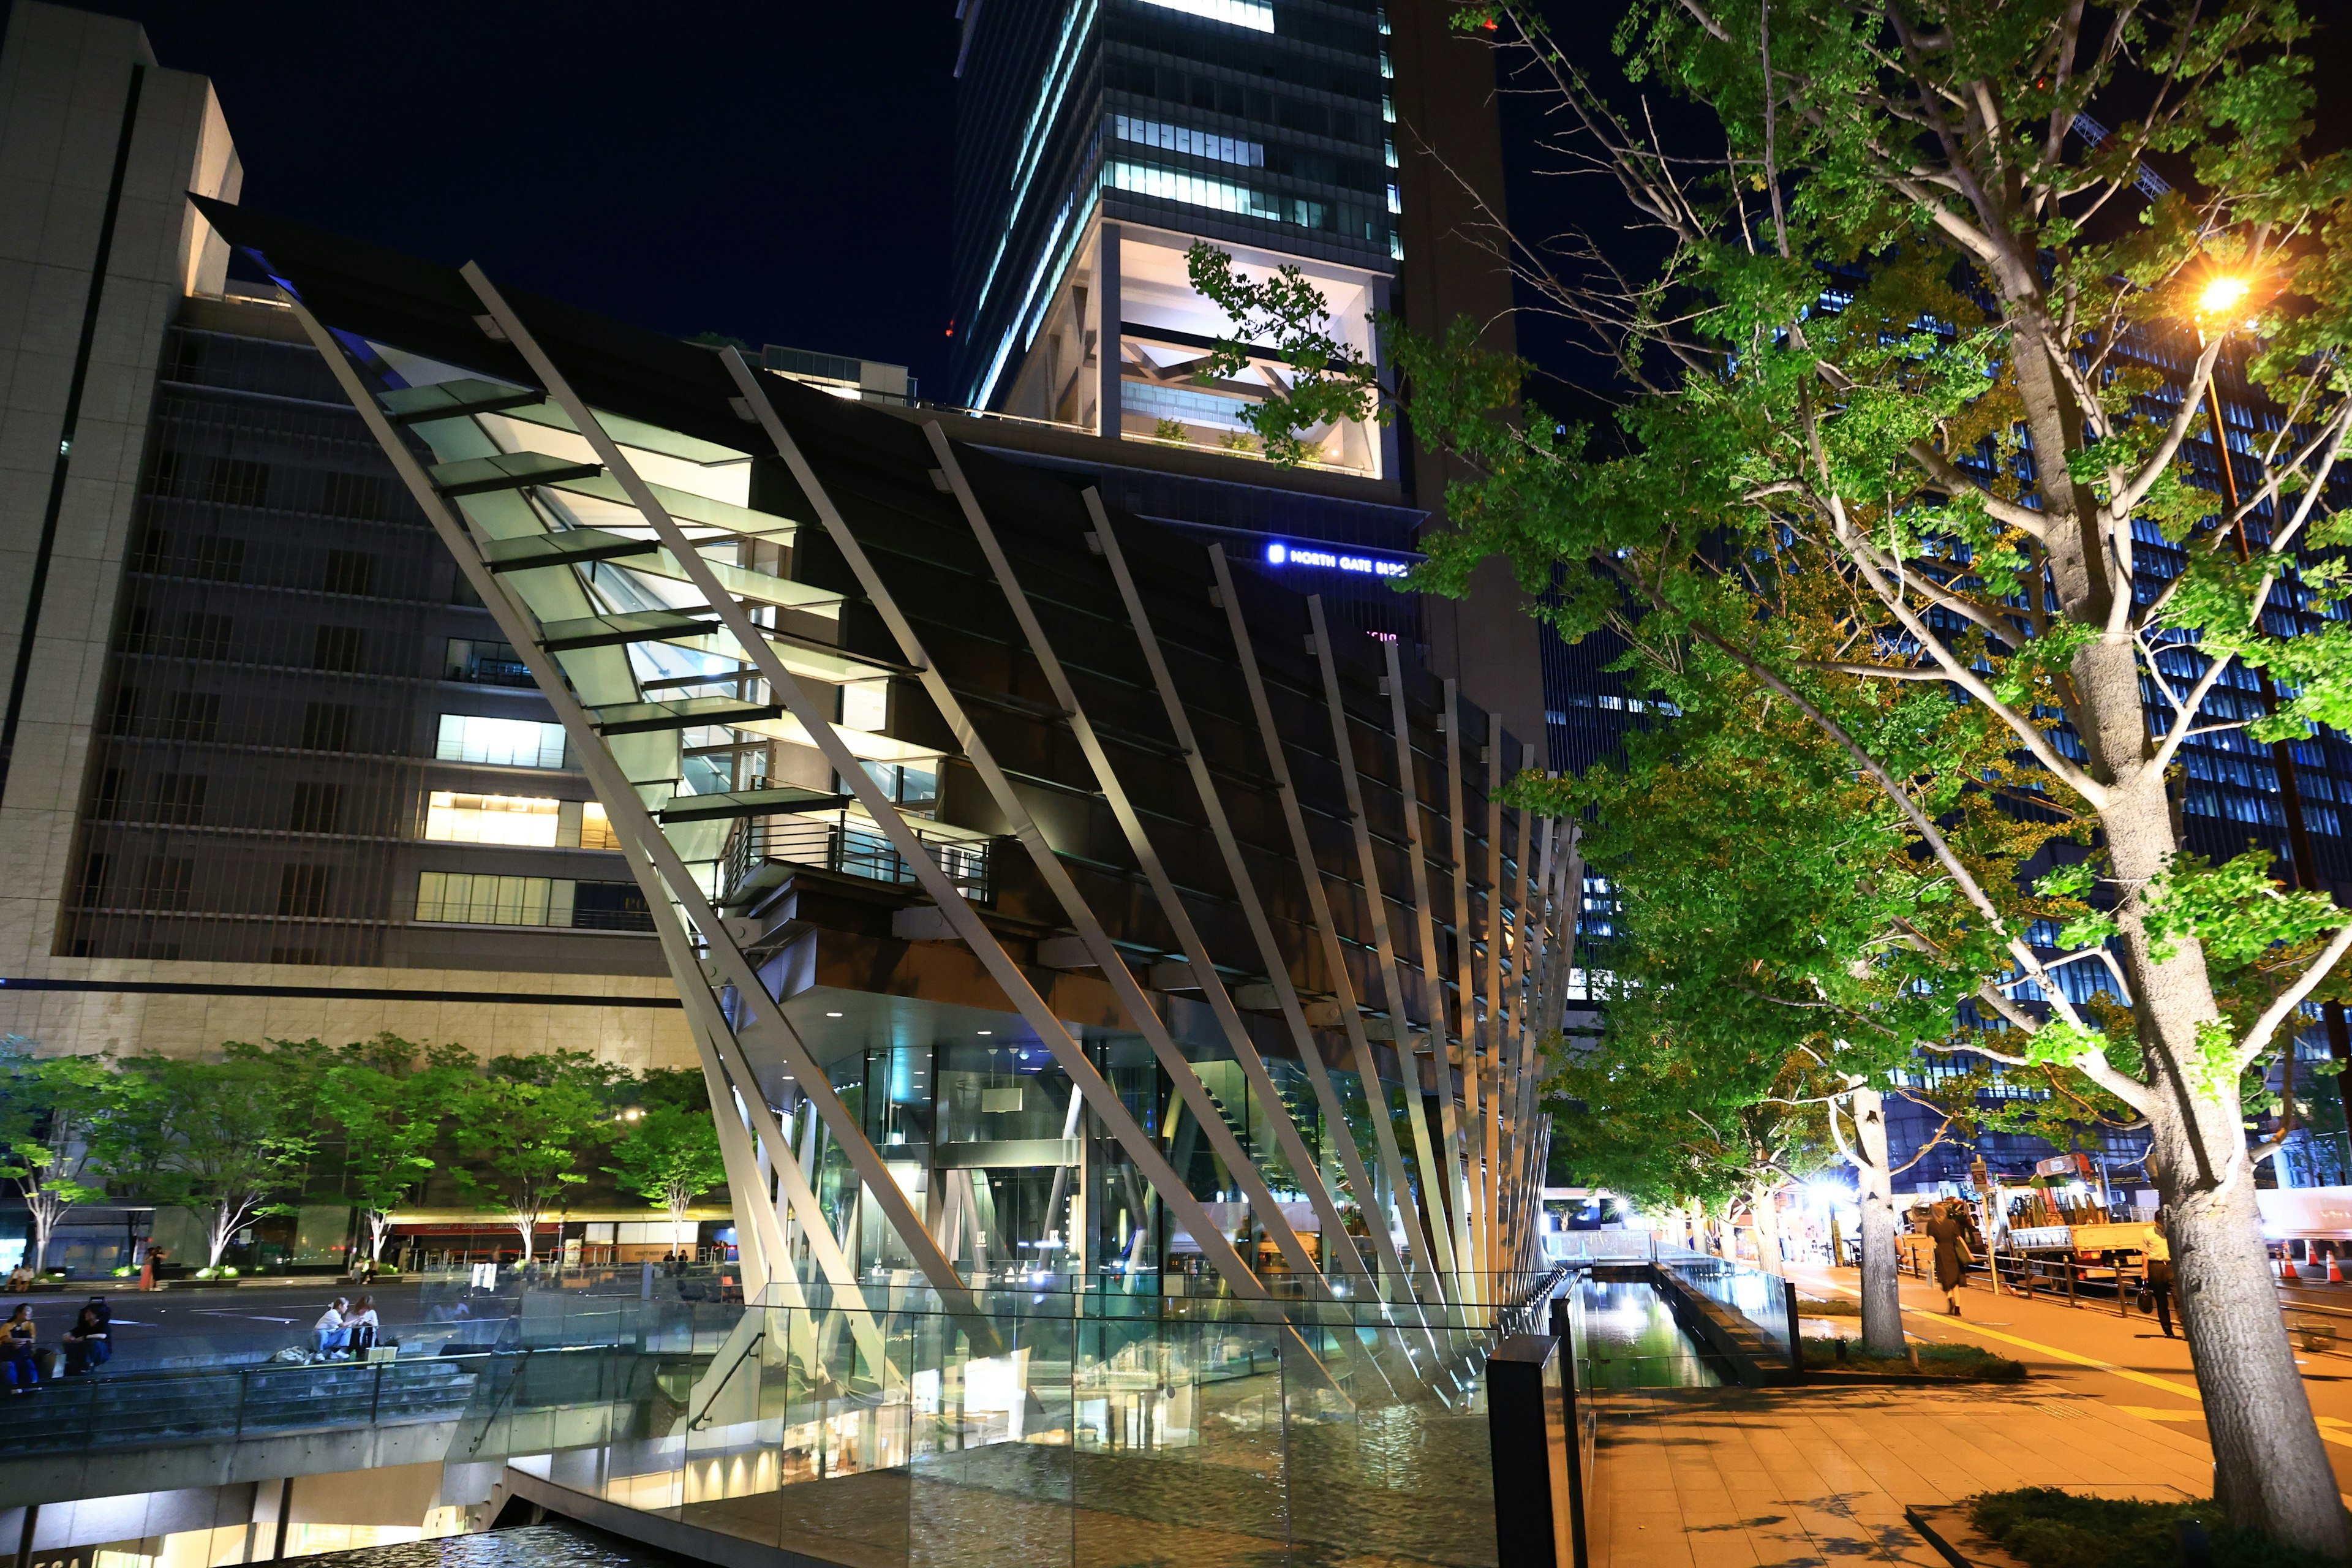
1778 1477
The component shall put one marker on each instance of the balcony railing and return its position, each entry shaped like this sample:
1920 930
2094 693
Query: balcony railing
850 847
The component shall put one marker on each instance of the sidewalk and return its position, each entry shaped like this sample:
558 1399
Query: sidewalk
1779 1477
2125 1363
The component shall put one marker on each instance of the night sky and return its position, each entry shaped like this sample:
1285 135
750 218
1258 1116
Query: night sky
779 173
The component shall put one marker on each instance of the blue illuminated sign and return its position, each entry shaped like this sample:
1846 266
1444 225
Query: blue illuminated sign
1280 553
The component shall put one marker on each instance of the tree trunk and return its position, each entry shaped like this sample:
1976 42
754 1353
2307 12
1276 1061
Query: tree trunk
2271 1468
222 1229
379 1223
1882 1301
43 1216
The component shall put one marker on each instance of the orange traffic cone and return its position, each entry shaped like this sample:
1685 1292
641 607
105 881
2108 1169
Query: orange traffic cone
2286 1269
2335 1274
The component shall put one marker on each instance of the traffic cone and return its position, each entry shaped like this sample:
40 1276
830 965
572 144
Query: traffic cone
2286 1270
2335 1274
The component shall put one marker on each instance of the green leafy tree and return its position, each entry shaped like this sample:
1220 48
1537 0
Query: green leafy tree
48 1109
223 1140
526 1129
1912 386
391 1110
669 1157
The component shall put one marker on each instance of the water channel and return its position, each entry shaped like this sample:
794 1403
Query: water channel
1625 1336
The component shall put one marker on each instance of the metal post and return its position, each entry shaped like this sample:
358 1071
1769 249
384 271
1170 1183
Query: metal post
1431 1246
1339 1133
1319 908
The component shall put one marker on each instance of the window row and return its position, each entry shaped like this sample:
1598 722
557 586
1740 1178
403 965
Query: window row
460 898
221 558
318 806
240 482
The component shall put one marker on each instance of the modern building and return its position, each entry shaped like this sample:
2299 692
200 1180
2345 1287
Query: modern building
1098 141
270 770
1047 896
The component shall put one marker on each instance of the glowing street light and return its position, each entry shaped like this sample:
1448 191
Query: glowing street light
2223 295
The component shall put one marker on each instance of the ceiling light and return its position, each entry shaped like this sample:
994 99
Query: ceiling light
832 1015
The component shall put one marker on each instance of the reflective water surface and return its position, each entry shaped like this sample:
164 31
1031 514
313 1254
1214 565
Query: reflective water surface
1626 1338
528 1546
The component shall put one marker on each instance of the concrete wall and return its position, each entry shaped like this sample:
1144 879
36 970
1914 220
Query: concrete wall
65 108
66 81
188 1009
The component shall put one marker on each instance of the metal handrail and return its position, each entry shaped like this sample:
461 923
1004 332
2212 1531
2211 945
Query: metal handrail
842 845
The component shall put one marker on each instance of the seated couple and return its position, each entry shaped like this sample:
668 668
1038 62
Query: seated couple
345 1326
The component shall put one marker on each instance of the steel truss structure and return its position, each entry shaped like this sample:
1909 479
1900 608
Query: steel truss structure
625 563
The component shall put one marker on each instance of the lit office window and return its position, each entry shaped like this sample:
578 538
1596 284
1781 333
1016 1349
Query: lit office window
455 819
596 828
453 896
1255 15
1199 144
514 742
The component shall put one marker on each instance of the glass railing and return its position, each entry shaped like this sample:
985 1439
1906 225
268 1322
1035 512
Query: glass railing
1761 1301
849 1427
147 1409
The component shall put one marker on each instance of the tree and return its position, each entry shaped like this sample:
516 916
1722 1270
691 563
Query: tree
670 1157
391 1112
220 1138
48 1111
528 1129
1914 373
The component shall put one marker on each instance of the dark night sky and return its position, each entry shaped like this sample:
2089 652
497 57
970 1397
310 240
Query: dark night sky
776 172
780 173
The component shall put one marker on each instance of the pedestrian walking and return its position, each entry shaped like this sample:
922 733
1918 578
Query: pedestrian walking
2157 1276
155 1256
1950 1235
89 1343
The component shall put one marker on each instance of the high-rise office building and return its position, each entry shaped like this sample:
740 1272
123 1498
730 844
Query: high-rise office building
1100 140
268 770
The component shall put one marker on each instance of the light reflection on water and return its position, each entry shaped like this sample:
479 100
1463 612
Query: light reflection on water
1626 1338
527 1546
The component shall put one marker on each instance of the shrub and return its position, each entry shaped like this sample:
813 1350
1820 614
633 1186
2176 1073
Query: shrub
1960 1362
2047 1528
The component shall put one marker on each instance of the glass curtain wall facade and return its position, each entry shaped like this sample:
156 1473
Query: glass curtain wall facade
1098 140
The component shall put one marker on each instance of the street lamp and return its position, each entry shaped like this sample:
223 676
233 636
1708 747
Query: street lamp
2223 294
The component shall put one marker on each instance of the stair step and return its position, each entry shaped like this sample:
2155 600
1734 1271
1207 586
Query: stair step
748 803
638 625
454 399
632 718
508 471
572 547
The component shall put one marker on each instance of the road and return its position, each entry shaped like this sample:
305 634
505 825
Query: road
246 1322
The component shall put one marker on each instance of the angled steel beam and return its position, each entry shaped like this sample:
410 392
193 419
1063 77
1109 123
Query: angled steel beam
652 860
1337 1245
1491 1031
1318 907
1186 1082
892 1199
1100 1098
1440 1238
1465 993
1433 979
